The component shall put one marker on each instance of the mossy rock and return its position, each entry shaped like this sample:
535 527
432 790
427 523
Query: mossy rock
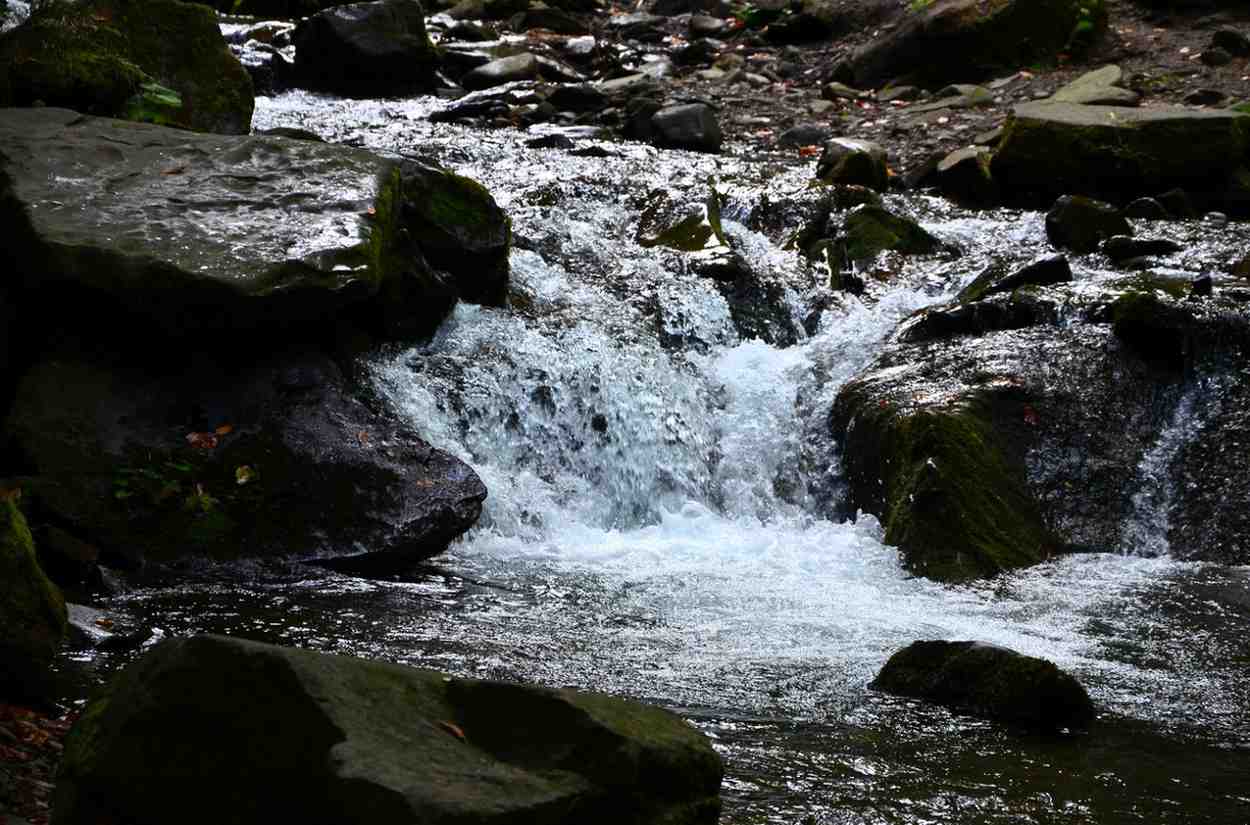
32 612
949 489
104 56
989 681
869 230
853 162
1081 224
268 734
1117 153
951 41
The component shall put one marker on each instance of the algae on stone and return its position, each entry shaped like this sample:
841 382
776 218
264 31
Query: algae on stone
32 612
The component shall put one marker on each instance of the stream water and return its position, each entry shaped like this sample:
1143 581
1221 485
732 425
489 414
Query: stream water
655 528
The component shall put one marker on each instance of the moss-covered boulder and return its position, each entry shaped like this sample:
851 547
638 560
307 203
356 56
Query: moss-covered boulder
952 41
374 49
263 734
246 241
161 61
853 162
32 612
1116 153
869 230
990 681
203 455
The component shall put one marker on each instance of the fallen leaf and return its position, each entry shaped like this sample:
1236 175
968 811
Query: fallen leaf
809 151
244 475
224 429
104 623
202 441
453 729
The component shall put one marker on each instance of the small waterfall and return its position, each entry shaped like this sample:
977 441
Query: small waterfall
1146 531
18 13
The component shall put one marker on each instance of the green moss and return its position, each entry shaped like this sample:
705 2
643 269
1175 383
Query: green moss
1244 108
32 610
870 230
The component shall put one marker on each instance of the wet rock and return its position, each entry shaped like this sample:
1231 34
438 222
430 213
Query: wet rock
850 161
955 40
1100 87
759 308
964 177
869 230
1120 248
32 611
71 563
637 26
330 738
553 141
692 126
1241 268
541 16
374 49
581 97
990 681
469 31
699 52
1045 271
332 233
202 457
1205 97
1146 209
1178 204
1081 224
703 25
1119 153
991 314
160 62
504 70
1215 57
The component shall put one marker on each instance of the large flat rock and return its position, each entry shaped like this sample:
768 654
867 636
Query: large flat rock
1116 152
211 729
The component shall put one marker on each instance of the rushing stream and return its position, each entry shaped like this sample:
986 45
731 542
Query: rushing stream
656 526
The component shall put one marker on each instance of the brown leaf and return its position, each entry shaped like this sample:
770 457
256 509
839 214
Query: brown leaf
224 429
453 729
202 441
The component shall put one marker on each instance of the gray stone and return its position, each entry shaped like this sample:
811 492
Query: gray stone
267 734
504 70
687 126
859 162
964 177
1100 87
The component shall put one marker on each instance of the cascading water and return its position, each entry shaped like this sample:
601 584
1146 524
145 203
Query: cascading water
658 523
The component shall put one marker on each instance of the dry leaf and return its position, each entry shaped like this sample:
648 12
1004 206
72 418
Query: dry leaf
453 729
224 429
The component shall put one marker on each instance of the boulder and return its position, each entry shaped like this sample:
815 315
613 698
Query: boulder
989 681
856 162
948 41
1044 271
242 241
214 458
691 126
378 49
1121 248
32 612
267 734
964 177
161 61
1081 224
988 435
869 230
1117 153
504 70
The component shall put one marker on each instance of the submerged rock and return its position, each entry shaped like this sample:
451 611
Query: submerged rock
325 738
32 612
247 239
990 681
160 61
374 49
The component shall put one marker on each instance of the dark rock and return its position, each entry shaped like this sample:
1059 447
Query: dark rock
1146 209
71 563
1120 248
554 141
366 50
955 40
504 70
581 97
637 26
703 25
690 126
1119 153
870 230
1201 287
1241 269
1215 57
1081 224
541 16
991 314
1205 97
804 134
924 174
32 611
292 133
1232 41
850 161
332 233
1044 271
207 457
332 739
964 177
468 31
989 681
162 61
760 309
1178 204
699 52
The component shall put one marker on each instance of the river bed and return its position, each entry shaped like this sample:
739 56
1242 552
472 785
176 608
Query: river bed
658 523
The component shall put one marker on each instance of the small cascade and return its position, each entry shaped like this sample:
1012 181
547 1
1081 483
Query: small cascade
1146 531
18 13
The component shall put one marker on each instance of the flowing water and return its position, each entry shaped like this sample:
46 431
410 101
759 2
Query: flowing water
658 522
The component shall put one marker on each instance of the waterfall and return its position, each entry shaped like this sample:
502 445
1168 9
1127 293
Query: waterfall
1146 530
